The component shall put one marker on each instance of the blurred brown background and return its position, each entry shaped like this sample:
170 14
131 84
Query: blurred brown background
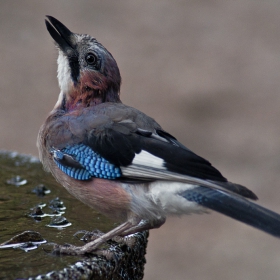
207 71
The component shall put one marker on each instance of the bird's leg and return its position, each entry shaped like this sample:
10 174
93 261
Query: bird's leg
127 236
144 225
92 245
118 234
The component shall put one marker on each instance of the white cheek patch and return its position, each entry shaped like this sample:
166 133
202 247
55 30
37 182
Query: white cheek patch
146 159
63 73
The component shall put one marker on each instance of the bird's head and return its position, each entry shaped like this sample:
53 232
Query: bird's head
87 73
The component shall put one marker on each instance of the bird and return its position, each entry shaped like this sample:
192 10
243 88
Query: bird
121 162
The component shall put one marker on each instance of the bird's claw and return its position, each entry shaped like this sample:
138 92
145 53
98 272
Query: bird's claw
128 240
71 250
66 249
89 235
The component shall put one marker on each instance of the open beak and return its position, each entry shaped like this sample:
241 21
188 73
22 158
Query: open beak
64 38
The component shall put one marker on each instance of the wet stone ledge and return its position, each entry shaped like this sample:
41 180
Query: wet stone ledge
123 263
34 210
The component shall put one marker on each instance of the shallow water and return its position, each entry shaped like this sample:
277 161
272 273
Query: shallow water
18 198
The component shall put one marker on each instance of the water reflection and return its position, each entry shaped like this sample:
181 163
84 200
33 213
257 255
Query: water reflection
26 241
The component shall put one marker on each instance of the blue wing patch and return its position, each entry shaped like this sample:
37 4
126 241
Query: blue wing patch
87 163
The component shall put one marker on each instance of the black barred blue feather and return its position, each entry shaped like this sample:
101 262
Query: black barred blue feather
84 163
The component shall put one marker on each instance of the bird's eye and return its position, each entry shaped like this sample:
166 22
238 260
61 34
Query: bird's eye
91 59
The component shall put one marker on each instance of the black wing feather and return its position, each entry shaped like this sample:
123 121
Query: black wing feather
119 144
170 138
182 161
113 145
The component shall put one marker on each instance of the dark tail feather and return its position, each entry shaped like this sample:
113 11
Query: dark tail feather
236 207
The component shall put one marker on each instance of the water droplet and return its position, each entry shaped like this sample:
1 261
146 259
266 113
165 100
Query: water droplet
57 204
27 240
41 190
16 181
59 222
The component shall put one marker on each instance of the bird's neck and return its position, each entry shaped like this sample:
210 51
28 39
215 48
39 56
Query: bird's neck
91 89
78 98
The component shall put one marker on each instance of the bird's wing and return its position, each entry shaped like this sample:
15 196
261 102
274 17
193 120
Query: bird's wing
156 155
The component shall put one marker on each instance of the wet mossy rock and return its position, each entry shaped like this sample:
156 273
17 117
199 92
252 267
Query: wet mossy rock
27 196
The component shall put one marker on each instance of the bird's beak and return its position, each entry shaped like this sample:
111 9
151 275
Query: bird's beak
64 38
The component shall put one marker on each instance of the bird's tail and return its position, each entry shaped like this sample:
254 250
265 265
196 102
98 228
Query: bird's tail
235 207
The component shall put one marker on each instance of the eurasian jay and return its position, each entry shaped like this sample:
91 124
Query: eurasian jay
120 161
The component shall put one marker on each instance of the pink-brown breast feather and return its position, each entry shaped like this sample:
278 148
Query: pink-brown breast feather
105 196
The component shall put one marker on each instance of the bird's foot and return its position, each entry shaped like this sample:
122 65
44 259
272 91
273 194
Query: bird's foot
94 245
66 249
72 250
128 240
95 239
89 235
93 235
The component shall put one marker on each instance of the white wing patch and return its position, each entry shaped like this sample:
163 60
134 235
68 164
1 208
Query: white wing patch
146 159
147 166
